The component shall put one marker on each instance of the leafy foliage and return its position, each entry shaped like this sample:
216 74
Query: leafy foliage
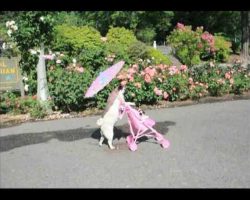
146 35
222 49
158 57
67 88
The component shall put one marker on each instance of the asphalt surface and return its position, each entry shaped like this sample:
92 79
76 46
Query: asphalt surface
210 147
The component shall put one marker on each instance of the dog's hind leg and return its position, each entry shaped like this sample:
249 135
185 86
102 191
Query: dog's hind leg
110 138
110 145
101 139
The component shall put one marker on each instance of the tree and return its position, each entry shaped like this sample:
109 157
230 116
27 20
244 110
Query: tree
245 22
137 21
34 30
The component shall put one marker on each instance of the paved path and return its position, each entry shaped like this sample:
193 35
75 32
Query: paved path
166 50
210 147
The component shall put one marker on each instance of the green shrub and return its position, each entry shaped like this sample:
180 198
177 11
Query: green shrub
193 46
15 104
146 35
197 91
185 42
137 50
118 42
222 49
217 86
10 49
83 43
144 95
7 101
32 106
158 57
177 87
241 83
121 36
67 88
75 38
93 58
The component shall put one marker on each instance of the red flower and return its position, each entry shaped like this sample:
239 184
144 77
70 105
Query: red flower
180 26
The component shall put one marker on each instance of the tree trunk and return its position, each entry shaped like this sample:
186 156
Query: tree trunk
42 87
245 22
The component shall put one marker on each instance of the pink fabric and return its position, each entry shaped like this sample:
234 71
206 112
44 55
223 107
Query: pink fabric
136 120
103 79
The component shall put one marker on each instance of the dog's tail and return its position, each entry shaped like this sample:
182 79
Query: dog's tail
99 122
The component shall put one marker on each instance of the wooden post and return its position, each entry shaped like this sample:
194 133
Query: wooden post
42 87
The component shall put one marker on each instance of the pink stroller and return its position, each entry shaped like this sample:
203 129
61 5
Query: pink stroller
140 127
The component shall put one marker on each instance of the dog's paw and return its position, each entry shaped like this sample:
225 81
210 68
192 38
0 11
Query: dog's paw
99 122
112 148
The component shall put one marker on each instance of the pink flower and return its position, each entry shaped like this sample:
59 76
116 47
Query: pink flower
147 78
123 83
192 87
80 69
121 77
209 38
212 49
227 75
173 70
231 81
157 91
150 71
135 67
190 80
131 79
180 26
165 95
221 81
131 71
183 68
142 73
199 45
138 85
49 57
162 67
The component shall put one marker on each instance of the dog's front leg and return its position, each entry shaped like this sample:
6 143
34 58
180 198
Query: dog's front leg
131 103
110 145
101 141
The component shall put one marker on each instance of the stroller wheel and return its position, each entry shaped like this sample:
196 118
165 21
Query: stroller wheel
129 139
133 146
165 143
159 137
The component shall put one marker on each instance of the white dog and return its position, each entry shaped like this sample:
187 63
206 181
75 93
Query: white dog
111 116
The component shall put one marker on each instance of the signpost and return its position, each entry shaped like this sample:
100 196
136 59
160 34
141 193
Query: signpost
10 75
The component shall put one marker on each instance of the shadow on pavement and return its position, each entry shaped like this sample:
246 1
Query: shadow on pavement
10 142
